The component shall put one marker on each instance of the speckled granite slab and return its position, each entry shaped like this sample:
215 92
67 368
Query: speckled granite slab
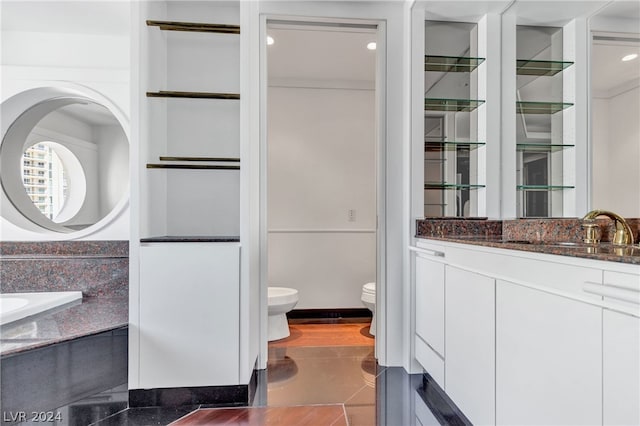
559 229
533 235
94 315
97 268
459 227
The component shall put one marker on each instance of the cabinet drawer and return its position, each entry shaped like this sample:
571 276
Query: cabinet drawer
623 289
547 275
430 302
430 361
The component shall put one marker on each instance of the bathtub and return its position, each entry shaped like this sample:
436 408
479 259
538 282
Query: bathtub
15 306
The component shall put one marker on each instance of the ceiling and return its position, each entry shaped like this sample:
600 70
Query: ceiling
609 74
321 53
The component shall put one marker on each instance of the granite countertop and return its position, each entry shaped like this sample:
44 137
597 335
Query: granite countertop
558 236
94 315
602 251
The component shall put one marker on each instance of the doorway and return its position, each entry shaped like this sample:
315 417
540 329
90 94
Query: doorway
322 162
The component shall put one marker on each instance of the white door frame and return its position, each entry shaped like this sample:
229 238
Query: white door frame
381 177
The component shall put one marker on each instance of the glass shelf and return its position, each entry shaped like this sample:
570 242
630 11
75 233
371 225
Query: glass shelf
451 63
443 185
451 145
540 68
543 187
528 107
464 105
541 147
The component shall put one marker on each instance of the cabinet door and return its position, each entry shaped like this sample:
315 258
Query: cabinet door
548 358
621 365
189 306
430 302
470 344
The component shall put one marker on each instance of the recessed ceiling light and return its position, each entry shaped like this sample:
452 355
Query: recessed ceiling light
371 45
270 40
629 57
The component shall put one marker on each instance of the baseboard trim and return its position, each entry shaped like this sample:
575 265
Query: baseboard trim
210 396
329 313
442 407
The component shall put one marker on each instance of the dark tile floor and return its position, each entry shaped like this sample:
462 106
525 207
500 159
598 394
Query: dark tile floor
337 385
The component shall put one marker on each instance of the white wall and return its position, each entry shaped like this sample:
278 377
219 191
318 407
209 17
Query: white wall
70 44
321 164
616 153
113 172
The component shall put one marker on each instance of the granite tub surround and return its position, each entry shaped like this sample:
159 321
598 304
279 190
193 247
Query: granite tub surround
97 268
548 236
93 316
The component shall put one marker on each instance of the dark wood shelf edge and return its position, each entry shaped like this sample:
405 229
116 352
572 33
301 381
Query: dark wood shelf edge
218 159
191 239
197 95
191 166
195 27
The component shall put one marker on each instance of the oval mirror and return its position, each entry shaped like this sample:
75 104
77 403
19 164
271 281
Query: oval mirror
64 161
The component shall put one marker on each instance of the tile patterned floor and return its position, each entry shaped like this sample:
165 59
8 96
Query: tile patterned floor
319 371
322 375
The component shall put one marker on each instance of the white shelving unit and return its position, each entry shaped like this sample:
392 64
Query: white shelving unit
190 157
186 208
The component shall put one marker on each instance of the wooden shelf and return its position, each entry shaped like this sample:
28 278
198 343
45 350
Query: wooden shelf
195 27
191 166
218 159
196 95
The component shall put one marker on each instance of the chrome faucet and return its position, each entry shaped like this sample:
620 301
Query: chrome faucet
623 235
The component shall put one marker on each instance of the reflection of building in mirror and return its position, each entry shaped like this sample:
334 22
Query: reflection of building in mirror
44 179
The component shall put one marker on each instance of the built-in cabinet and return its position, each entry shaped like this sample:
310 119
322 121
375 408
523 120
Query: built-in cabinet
429 339
548 355
201 290
558 346
470 329
186 296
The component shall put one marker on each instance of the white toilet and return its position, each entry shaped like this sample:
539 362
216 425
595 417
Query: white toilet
280 300
369 300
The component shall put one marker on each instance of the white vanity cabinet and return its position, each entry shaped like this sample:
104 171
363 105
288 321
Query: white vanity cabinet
429 276
470 343
533 338
548 356
188 335
621 351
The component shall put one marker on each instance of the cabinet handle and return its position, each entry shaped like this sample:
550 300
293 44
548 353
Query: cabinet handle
426 251
618 293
